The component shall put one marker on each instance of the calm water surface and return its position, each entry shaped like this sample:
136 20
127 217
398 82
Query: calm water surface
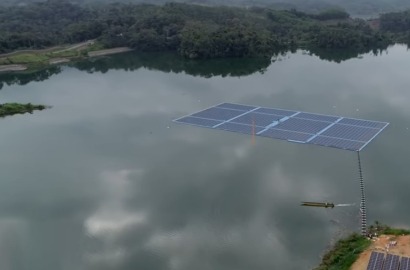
105 180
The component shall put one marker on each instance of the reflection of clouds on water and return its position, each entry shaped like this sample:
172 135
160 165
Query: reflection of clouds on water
230 216
109 224
12 234
110 217
103 174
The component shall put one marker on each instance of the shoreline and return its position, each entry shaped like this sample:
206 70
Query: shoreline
109 51
31 59
386 244
353 252
13 67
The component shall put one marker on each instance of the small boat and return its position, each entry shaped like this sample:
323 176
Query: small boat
318 204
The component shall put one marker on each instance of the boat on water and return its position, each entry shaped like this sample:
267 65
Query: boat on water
319 204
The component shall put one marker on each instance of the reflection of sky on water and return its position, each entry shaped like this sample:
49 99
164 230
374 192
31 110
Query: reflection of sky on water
105 180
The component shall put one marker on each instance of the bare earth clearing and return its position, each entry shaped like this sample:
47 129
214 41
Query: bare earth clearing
52 55
402 248
12 68
109 51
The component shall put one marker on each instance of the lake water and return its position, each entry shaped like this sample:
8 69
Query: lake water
105 180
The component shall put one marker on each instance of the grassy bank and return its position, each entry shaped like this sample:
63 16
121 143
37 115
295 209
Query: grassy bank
42 58
344 253
8 109
380 229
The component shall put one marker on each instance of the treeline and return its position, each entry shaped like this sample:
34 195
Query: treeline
164 62
397 25
191 30
355 7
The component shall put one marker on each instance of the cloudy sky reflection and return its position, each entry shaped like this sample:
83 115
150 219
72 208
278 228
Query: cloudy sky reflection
105 180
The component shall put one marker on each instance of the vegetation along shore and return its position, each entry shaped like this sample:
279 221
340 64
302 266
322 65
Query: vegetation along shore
193 31
8 109
353 252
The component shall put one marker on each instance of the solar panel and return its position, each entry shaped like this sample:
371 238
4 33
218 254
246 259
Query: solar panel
234 127
235 106
391 262
337 143
302 127
199 121
319 117
405 263
348 132
275 111
372 261
285 135
376 261
218 114
257 119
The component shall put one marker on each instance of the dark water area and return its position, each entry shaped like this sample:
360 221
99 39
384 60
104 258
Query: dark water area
105 180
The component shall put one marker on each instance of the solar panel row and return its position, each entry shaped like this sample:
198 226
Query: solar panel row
332 131
318 117
405 263
234 127
257 119
391 262
338 143
372 260
376 261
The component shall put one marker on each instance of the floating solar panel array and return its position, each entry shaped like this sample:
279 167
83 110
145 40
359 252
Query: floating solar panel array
391 262
376 261
294 126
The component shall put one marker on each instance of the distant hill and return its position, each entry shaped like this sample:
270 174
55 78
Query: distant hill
360 8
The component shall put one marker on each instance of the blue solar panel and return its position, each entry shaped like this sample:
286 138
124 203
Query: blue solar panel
198 121
372 261
376 261
275 111
235 107
218 114
302 125
326 130
405 263
337 143
379 261
319 117
285 135
391 262
363 123
355 133
257 119
240 128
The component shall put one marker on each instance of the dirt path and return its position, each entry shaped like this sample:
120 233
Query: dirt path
109 51
56 49
402 249
31 51
6 68
78 46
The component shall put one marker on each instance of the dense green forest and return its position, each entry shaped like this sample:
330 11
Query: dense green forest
191 30
355 7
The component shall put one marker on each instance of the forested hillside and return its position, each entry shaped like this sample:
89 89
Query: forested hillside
355 7
191 30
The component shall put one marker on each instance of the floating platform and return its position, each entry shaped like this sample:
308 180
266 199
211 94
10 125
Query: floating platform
318 204
294 126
